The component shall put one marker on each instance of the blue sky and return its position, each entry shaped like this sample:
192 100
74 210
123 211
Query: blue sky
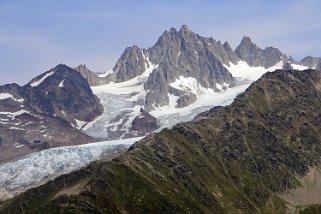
35 35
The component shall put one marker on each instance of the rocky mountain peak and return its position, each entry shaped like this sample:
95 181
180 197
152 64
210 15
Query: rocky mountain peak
172 31
133 62
61 67
246 48
82 66
227 46
184 30
185 54
92 78
255 56
64 92
247 41
46 112
310 61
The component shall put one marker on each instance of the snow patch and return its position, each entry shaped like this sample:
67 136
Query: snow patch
14 114
168 116
38 82
245 72
106 73
61 84
191 85
4 96
299 67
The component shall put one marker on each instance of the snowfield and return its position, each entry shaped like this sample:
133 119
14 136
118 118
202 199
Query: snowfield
39 167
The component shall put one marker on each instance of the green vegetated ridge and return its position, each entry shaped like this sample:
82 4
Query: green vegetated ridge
234 159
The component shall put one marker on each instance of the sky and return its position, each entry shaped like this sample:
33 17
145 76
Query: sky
36 35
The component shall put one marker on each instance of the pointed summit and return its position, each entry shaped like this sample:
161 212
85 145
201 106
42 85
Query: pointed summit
132 63
246 40
185 28
185 31
246 45
227 46
231 55
255 56
172 31
310 62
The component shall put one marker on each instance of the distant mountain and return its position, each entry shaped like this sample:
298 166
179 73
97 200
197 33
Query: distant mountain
258 155
47 112
311 62
255 56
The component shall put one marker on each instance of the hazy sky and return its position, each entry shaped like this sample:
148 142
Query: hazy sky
35 35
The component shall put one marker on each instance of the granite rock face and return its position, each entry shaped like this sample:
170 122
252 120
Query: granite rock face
184 53
92 78
144 123
132 63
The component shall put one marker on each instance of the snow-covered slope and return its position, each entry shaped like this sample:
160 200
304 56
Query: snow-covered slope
122 102
42 166
243 71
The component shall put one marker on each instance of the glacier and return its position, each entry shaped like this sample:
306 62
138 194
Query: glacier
39 167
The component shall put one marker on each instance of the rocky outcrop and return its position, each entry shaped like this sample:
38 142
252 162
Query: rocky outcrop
92 78
144 123
255 56
234 159
185 100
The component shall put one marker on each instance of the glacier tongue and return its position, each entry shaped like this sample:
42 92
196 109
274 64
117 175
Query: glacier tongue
38 167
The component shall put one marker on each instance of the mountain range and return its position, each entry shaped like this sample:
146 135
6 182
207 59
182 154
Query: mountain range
182 75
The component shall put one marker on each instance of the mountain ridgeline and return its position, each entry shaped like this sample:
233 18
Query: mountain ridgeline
241 158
